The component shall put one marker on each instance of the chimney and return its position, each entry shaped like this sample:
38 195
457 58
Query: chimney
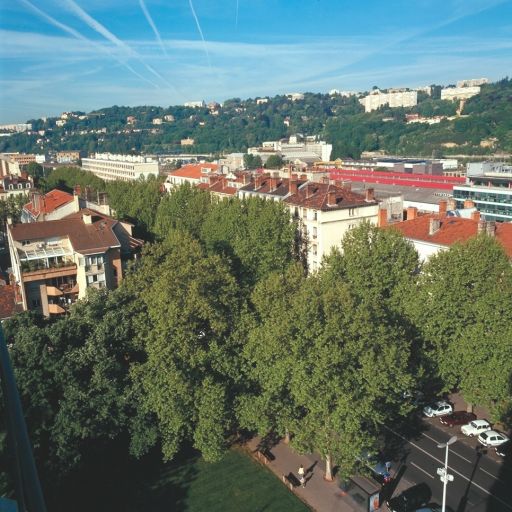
434 225
412 212
451 204
87 218
469 204
77 190
481 228
443 205
273 183
36 201
76 203
475 216
290 171
383 217
304 177
257 181
293 186
370 195
331 197
491 228
310 188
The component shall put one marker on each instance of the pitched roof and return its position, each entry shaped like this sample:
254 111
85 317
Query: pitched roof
451 230
49 202
85 238
282 186
193 170
8 304
315 195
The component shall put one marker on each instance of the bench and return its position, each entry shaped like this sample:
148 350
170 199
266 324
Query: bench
288 482
263 457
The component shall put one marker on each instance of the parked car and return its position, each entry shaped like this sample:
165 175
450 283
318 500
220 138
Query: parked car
438 409
475 427
378 465
457 418
411 499
504 450
492 438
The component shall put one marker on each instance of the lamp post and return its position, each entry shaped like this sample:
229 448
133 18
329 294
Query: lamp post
443 472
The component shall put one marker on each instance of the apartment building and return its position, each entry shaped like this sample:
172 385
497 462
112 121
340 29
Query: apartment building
15 186
459 93
111 167
377 99
51 206
193 174
472 82
438 231
55 262
67 157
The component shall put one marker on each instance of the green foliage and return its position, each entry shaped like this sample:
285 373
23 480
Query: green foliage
12 207
274 162
35 170
461 308
240 124
190 305
66 178
252 161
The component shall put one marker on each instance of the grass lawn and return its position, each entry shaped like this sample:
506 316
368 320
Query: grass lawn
237 483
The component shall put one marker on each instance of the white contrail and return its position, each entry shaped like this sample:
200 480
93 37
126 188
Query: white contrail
79 36
153 26
98 27
200 33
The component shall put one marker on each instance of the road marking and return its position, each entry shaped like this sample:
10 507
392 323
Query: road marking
451 469
453 451
494 476
421 469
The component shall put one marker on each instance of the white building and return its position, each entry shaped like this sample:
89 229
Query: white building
459 93
377 99
111 167
295 96
473 82
195 104
18 128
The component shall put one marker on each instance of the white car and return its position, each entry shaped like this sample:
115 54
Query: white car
437 409
492 438
475 427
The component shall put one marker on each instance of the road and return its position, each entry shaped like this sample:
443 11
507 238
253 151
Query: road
482 481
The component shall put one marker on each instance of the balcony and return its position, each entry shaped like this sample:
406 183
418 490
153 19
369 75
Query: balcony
39 272
55 309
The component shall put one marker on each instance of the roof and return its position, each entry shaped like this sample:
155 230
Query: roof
411 194
451 231
85 238
49 202
315 195
8 304
219 186
282 186
193 170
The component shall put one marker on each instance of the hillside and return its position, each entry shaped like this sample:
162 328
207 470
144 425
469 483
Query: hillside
484 127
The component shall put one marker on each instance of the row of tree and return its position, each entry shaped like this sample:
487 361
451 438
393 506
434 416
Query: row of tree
218 329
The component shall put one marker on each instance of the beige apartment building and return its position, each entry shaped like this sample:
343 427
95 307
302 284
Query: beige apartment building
55 262
111 167
377 99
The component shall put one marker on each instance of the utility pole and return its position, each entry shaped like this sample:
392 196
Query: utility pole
443 472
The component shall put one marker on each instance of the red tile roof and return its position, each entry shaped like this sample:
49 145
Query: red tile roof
49 202
8 304
451 230
315 195
282 186
193 170
85 238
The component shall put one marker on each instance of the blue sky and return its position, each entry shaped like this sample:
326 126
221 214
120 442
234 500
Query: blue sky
59 55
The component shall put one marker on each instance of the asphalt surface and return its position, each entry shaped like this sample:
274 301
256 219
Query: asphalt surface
482 480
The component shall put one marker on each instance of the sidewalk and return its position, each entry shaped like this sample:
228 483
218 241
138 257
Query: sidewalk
319 495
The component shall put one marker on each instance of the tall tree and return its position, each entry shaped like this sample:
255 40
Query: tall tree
190 307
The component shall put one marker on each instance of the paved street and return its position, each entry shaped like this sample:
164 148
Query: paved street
482 481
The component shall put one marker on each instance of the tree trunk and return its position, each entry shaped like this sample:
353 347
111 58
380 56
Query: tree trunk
469 407
287 436
328 468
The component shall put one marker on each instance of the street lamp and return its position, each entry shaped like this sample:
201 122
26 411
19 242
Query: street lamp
443 472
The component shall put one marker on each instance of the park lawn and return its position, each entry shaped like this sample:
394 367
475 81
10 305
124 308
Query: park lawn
236 483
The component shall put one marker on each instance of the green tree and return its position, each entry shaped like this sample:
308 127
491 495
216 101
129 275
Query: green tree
190 306
185 209
459 299
35 170
252 161
274 162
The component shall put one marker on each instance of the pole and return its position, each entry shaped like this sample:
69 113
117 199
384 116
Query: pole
445 479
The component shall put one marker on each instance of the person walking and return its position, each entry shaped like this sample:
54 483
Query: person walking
301 471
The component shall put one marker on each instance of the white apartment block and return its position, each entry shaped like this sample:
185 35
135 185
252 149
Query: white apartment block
195 104
111 167
459 93
18 128
377 99
473 82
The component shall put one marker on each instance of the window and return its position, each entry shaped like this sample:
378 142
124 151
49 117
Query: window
315 233
315 250
36 303
351 212
315 215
